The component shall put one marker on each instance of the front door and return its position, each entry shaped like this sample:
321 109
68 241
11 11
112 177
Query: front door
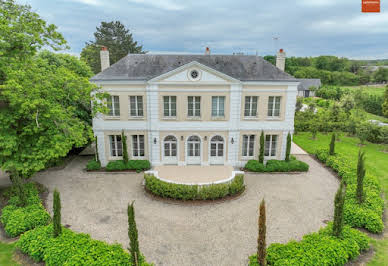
194 150
170 150
217 150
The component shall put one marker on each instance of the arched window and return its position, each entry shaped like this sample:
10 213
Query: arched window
194 138
170 146
217 146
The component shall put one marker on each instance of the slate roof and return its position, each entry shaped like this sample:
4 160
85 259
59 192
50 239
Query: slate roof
305 84
147 66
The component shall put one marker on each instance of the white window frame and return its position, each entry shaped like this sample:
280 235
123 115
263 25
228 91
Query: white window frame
112 107
251 109
170 109
137 109
138 150
114 146
270 146
217 110
195 98
271 111
249 141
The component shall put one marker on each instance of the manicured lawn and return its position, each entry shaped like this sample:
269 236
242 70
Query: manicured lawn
6 251
371 89
376 164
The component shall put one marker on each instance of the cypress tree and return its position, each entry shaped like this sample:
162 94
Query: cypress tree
125 148
339 201
18 185
132 234
261 245
332 145
288 148
57 214
261 152
360 176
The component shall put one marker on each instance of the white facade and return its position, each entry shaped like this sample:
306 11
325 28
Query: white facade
227 148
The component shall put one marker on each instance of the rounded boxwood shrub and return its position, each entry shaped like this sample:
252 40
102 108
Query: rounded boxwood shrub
120 165
292 165
93 165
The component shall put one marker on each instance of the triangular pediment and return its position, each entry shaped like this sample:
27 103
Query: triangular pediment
193 73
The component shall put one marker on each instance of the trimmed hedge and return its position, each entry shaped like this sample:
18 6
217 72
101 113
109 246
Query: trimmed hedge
319 248
93 165
17 220
367 215
71 248
120 165
292 165
193 192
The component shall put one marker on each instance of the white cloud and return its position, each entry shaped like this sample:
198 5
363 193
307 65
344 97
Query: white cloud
89 2
163 4
318 3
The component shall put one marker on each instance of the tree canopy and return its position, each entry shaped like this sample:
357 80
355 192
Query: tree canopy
116 37
45 98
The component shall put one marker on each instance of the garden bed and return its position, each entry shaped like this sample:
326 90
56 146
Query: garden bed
276 166
169 190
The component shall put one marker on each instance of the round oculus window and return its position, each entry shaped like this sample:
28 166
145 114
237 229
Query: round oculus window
194 74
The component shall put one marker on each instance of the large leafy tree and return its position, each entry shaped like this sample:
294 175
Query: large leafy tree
385 103
116 37
45 102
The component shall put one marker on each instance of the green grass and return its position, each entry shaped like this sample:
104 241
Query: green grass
370 116
369 89
6 252
376 164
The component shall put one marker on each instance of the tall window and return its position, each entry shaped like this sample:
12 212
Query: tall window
137 145
194 106
274 106
170 146
113 104
248 145
218 106
136 105
116 147
270 145
169 106
250 107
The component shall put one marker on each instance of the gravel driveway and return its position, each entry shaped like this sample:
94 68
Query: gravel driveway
173 233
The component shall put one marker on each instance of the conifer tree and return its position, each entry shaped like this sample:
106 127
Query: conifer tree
125 148
360 176
261 152
288 148
332 145
57 214
97 156
339 202
132 234
261 243
18 186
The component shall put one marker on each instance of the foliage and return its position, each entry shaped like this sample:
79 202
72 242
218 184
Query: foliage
339 202
71 248
116 37
320 248
277 166
125 147
332 145
370 102
57 214
288 147
132 234
362 131
93 165
193 192
120 165
348 102
360 176
385 103
331 92
261 152
18 185
381 75
17 220
261 243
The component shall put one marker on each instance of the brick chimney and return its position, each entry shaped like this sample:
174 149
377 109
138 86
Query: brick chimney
281 60
104 57
207 51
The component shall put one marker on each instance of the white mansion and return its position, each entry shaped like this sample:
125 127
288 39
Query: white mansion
195 109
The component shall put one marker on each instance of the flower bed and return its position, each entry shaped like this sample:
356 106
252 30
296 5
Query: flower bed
193 192
292 165
367 215
319 248
71 248
16 219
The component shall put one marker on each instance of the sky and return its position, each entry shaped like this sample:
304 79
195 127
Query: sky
302 27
